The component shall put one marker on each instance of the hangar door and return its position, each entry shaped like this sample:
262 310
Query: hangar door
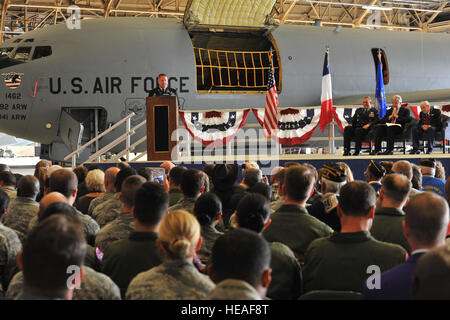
232 44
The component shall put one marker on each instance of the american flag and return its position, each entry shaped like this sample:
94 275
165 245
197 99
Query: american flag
270 124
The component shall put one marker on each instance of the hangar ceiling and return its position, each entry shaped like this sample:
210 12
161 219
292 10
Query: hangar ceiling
18 16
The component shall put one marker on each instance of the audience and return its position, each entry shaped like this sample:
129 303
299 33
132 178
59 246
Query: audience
8 184
324 207
126 258
374 173
405 168
109 210
23 208
431 279
253 213
291 224
176 278
124 223
387 225
208 210
175 178
192 186
10 247
255 243
94 182
341 261
425 226
54 245
429 181
240 266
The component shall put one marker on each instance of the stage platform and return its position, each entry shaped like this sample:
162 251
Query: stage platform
358 164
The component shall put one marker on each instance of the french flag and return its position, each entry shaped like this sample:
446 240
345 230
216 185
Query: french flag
326 99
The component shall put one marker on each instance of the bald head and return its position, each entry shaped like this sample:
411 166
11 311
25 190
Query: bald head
395 189
110 178
427 217
403 167
50 198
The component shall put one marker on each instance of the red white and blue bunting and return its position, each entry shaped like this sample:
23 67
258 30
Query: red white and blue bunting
214 127
297 125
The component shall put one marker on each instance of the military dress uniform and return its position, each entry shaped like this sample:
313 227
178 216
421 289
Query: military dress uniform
172 280
94 286
361 118
340 261
20 212
387 227
162 92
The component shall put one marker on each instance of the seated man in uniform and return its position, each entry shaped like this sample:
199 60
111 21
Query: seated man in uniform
341 261
430 121
240 266
390 126
162 88
361 124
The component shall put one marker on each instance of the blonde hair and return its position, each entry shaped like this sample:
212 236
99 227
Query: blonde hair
95 181
348 172
179 233
397 98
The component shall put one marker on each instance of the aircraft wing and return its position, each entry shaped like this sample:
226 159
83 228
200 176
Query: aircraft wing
6 140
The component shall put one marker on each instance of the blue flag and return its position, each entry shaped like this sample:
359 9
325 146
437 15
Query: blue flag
379 92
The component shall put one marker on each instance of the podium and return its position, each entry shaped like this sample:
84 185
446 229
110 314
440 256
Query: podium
162 120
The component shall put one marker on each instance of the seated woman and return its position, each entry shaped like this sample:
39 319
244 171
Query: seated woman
176 278
96 187
208 210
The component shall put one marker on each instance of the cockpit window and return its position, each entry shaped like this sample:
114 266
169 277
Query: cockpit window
43 51
17 40
29 40
22 53
6 51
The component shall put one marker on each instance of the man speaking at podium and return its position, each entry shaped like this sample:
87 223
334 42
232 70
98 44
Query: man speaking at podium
162 89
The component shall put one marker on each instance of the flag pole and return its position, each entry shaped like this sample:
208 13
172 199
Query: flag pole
331 124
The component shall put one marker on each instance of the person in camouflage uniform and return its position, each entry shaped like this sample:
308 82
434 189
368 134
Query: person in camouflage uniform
65 182
192 185
49 250
110 180
208 210
175 178
240 266
10 246
123 225
24 207
94 286
8 184
176 278
110 209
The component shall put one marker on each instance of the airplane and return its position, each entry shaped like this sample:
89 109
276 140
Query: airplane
56 78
